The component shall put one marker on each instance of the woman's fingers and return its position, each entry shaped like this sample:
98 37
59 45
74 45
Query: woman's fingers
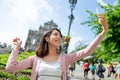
103 21
100 17
17 42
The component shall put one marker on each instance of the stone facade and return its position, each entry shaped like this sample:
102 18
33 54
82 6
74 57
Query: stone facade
34 36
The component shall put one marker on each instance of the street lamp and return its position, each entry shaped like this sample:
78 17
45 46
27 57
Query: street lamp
72 4
71 17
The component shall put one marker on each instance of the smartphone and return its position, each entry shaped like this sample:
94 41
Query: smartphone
97 11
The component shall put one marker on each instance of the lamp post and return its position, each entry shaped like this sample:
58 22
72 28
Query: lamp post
71 17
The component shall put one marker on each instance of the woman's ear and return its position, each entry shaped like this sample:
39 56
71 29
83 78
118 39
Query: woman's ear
46 39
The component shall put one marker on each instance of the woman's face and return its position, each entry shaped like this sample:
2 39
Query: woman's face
54 39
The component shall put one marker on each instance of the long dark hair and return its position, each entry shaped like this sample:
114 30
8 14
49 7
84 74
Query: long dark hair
42 49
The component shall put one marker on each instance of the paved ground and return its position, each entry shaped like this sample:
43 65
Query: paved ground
78 75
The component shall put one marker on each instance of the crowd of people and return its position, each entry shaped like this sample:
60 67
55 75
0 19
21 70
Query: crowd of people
98 69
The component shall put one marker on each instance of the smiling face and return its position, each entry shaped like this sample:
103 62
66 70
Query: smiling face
54 39
50 41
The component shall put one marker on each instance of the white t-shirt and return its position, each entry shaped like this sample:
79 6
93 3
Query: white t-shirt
49 70
118 69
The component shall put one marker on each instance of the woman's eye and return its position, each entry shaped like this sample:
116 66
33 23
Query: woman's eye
55 34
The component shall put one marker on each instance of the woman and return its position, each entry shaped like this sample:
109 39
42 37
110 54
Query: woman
48 62
93 68
86 68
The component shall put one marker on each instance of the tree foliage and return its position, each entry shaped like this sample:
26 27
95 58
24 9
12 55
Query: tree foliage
109 48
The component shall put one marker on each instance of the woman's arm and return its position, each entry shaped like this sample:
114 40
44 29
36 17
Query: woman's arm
92 46
12 64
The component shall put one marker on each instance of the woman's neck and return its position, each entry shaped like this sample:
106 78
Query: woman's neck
52 55
52 51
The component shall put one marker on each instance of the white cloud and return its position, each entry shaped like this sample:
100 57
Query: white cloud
24 10
31 10
17 16
44 5
101 2
46 12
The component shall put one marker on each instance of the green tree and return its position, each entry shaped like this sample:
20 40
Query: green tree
109 48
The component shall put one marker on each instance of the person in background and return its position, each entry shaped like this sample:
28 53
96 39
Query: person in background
111 70
72 69
118 70
48 63
86 68
92 69
100 70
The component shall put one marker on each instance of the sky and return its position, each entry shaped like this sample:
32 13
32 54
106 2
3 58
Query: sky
18 16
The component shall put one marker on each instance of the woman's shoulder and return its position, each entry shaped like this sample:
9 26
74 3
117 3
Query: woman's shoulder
34 57
64 55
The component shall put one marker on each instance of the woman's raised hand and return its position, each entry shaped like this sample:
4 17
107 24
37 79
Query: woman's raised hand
103 21
17 42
